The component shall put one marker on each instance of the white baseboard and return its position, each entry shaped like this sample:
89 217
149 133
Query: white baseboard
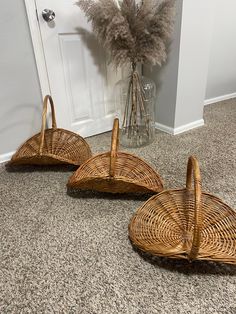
6 157
159 126
189 126
164 128
219 98
180 129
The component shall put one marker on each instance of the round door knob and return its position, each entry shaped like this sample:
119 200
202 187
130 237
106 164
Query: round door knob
48 15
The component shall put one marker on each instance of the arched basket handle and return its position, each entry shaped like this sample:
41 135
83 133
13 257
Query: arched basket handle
44 120
193 169
114 147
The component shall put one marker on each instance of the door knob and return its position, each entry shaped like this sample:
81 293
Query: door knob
48 15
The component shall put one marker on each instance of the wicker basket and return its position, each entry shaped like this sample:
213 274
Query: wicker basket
52 146
186 224
116 172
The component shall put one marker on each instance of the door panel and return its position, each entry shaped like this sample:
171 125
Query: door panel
80 80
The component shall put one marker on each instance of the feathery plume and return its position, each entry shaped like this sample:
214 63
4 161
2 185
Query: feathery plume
131 32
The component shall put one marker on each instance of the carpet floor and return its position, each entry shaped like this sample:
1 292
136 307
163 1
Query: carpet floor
62 253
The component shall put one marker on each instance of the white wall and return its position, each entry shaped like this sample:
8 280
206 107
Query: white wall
181 83
20 97
196 33
166 77
222 64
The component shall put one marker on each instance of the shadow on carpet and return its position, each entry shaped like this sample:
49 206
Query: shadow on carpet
186 267
76 193
40 168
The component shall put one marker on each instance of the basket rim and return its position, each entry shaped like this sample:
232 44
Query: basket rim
107 154
171 201
218 257
229 259
181 190
14 157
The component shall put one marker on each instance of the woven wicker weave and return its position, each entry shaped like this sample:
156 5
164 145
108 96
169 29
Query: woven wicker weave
116 172
186 224
52 146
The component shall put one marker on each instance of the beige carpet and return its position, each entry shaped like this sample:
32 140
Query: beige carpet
71 254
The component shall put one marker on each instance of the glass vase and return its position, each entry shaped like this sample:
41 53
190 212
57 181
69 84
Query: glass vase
135 98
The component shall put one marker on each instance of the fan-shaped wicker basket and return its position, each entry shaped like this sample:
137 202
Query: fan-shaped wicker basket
116 172
52 146
186 224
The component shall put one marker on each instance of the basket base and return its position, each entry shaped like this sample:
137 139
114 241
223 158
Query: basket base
114 185
38 160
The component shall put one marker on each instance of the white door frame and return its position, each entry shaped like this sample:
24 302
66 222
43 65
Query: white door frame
36 38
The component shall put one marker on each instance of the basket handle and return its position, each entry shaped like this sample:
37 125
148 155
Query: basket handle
114 147
193 169
44 120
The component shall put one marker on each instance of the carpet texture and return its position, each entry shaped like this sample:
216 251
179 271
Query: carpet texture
62 253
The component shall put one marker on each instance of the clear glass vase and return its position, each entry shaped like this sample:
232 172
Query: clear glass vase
135 98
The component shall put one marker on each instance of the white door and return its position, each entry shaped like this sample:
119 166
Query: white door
80 80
